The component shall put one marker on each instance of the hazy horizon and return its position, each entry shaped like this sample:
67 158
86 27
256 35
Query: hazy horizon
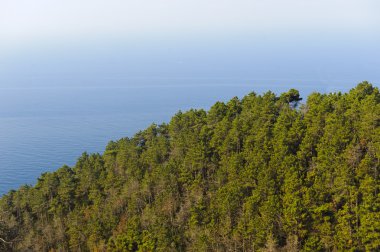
98 43
259 59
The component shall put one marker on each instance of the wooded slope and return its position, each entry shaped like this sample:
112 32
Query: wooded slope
258 173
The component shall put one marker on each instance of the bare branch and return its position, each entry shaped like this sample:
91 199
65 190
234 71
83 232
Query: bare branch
1 239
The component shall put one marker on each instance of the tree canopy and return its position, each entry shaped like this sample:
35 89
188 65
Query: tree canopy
261 173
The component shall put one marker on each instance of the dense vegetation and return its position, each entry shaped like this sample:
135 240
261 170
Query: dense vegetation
261 173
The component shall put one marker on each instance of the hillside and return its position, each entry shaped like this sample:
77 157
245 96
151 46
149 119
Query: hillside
261 173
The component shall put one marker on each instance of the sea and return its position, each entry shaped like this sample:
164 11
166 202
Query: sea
44 128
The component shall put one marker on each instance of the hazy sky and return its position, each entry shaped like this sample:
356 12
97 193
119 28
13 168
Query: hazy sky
22 21
326 39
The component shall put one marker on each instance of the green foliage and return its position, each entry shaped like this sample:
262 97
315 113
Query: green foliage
261 173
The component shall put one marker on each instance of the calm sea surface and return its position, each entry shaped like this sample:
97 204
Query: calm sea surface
42 129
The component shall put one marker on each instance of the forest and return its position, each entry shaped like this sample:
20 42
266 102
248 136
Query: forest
264 172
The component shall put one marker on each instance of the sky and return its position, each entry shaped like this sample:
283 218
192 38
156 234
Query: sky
24 20
325 39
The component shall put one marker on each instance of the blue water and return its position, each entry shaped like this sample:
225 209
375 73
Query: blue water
43 128
59 99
